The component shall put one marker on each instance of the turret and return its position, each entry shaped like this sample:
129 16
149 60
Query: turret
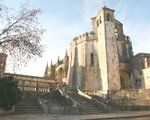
46 71
65 61
52 71
58 60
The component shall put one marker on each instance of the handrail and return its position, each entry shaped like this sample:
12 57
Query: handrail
87 96
97 93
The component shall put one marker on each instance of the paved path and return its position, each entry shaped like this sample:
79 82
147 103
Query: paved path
142 115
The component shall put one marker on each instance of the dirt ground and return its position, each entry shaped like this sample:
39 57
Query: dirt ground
142 115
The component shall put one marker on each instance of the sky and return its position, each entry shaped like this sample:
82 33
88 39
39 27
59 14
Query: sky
65 19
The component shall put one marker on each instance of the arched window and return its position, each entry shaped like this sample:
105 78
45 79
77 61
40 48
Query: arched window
97 23
108 17
92 59
116 32
100 20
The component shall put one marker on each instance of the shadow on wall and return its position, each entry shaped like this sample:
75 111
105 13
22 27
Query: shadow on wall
87 76
77 73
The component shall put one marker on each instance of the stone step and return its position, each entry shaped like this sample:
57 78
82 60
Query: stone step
25 110
28 112
87 104
112 109
26 104
92 110
27 107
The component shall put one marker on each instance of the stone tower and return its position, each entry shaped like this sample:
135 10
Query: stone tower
100 60
65 62
104 27
3 58
114 50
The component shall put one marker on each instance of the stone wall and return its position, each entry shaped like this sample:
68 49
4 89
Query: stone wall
83 63
110 50
107 51
56 102
33 83
112 57
141 65
102 60
133 99
134 93
146 78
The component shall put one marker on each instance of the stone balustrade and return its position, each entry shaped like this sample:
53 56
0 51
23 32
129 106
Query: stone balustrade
33 83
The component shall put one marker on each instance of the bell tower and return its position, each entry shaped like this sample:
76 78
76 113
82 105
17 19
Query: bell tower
104 28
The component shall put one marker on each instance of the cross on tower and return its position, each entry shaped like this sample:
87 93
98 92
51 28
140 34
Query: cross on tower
104 2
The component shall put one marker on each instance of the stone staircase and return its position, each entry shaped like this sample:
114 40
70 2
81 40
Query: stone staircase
89 105
28 106
106 101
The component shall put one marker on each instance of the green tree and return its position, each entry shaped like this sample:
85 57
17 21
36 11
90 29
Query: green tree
20 33
9 92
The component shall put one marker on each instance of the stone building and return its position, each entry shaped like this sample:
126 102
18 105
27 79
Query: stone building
58 71
102 59
141 70
26 82
33 83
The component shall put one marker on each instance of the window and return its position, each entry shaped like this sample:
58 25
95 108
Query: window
148 62
92 59
137 83
116 32
100 20
108 17
97 23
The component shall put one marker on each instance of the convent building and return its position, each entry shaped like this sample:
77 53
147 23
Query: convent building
102 59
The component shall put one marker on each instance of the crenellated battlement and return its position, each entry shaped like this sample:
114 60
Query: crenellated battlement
88 36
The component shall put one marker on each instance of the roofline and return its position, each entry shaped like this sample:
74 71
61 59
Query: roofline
142 54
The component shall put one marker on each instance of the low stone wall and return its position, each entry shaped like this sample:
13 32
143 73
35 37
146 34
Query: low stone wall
97 103
57 102
124 107
127 100
137 99
67 110
134 93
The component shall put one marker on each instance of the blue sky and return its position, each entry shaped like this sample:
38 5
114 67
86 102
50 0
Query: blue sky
65 19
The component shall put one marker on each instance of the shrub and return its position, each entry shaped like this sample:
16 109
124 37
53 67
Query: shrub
9 92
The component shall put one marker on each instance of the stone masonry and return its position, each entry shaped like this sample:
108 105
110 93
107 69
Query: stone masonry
102 59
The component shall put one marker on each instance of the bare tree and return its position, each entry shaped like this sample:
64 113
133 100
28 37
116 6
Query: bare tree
20 34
